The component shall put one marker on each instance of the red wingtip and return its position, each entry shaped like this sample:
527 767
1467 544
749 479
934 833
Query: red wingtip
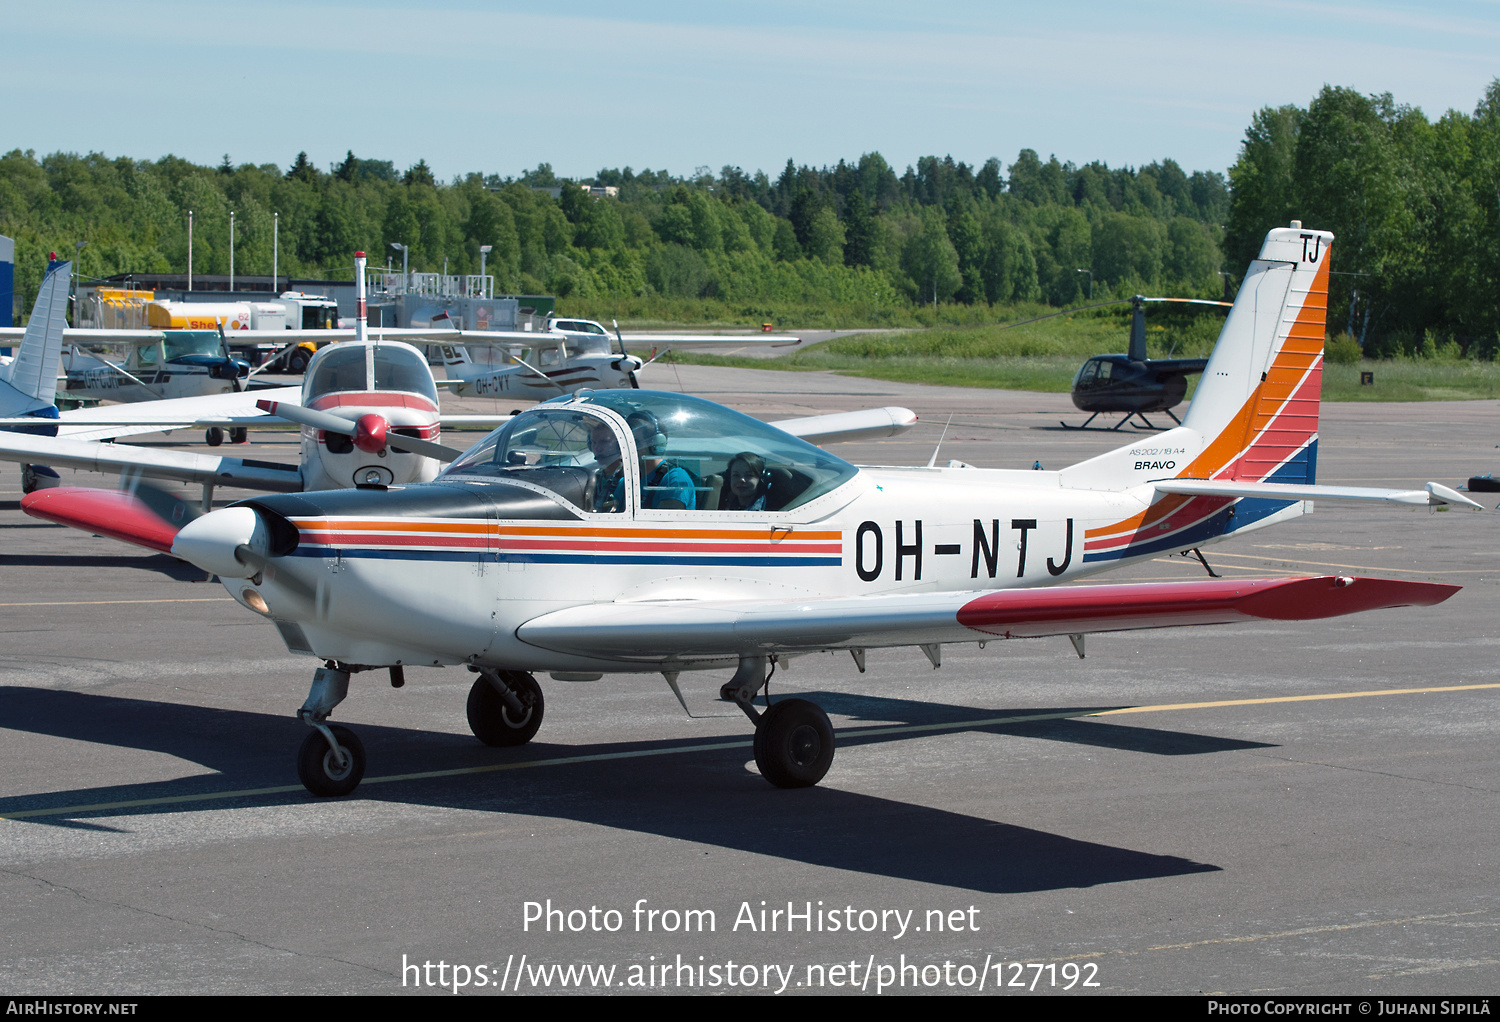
110 513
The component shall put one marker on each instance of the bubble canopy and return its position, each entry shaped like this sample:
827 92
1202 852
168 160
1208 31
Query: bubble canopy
677 430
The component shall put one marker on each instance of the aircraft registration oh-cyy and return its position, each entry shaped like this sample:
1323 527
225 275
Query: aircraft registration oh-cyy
638 531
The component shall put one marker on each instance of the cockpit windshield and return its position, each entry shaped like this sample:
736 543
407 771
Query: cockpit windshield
693 455
571 452
341 367
590 344
192 342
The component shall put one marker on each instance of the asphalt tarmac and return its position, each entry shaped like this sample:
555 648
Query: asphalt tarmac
1289 808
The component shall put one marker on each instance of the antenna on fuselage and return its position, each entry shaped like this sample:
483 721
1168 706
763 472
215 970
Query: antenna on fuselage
932 461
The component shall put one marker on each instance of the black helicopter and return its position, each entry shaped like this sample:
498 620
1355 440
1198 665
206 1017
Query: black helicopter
1132 383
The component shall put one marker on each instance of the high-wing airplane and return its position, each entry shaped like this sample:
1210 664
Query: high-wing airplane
569 355
635 531
177 363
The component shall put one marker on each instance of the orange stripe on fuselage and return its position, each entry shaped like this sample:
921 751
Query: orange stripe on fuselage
440 526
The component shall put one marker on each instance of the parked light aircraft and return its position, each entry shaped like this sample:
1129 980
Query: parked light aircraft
369 416
177 363
642 531
569 355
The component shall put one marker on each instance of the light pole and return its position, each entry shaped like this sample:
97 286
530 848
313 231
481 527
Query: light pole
484 250
77 277
190 250
231 250
275 247
1091 282
405 250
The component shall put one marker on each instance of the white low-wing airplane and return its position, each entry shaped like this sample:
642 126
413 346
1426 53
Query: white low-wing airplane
639 531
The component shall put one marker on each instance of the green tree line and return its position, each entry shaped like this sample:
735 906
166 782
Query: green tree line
1414 205
856 233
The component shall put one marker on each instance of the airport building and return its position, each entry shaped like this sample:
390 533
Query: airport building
394 299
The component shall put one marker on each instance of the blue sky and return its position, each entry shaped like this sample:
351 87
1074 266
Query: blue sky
500 87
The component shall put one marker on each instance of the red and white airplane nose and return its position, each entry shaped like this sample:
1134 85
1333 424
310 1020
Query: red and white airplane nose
210 542
369 432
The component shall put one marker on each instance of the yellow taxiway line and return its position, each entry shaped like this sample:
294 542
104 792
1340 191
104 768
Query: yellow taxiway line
963 725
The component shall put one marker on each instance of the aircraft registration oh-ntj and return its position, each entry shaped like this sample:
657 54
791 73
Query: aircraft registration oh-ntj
638 531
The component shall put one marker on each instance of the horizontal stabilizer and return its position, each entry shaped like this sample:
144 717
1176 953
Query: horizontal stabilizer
1434 494
681 631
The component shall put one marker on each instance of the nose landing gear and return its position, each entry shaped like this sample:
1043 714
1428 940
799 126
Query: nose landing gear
331 761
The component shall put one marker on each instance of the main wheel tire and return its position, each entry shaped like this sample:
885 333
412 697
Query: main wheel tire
239 434
297 362
319 770
213 436
490 719
28 479
794 744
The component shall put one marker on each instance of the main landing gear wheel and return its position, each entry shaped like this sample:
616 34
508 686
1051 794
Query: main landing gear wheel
297 363
319 768
794 744
213 436
494 723
239 434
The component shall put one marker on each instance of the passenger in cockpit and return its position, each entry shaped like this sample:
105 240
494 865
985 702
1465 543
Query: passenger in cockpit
746 484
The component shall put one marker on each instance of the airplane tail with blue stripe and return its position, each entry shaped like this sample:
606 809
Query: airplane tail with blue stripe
1256 407
28 383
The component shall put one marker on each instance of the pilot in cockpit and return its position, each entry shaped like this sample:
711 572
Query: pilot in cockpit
609 488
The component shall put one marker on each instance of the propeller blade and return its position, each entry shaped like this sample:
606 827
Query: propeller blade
426 448
325 421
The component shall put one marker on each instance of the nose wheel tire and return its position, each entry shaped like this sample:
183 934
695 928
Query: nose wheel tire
320 770
494 723
794 744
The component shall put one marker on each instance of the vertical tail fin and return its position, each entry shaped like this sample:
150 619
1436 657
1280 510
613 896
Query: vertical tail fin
1256 407
29 383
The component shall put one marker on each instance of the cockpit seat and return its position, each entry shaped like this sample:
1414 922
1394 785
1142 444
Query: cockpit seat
786 485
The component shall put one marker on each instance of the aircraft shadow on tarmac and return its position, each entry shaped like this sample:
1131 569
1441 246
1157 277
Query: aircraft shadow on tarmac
171 567
705 796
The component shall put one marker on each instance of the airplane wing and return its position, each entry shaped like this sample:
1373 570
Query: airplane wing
837 427
87 336
710 340
1434 494
109 422
653 632
92 456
